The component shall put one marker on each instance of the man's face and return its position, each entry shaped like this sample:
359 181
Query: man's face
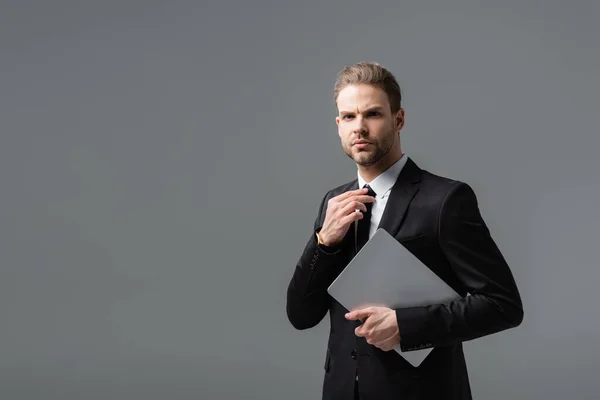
366 126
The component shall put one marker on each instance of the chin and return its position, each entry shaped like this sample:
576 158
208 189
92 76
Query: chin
365 162
362 157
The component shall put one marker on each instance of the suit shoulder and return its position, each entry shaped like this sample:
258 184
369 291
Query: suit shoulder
440 182
442 187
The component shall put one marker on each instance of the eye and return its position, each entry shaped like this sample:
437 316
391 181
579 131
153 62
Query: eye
374 114
347 117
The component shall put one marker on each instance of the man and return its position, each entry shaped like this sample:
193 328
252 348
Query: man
437 219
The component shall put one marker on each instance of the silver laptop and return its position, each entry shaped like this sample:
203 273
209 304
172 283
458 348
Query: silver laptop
385 273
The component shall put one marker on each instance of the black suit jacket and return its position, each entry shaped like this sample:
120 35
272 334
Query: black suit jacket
439 221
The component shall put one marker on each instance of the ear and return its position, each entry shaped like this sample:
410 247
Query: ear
400 119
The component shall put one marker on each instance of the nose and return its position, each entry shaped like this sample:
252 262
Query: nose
359 125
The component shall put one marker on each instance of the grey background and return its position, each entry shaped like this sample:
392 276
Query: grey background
161 166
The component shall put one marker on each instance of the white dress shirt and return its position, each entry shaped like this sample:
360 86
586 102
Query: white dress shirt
382 185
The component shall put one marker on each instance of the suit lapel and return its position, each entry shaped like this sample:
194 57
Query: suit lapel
402 193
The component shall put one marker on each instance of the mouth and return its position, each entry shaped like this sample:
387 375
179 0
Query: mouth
361 145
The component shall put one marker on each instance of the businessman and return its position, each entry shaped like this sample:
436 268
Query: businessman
434 217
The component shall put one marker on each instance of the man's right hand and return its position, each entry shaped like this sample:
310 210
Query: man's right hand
341 212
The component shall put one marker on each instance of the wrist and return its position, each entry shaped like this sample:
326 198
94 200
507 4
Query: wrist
324 245
322 240
325 242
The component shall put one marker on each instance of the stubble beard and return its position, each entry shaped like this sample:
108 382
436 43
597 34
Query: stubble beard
373 156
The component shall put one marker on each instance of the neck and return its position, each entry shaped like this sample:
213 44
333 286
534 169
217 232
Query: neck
371 172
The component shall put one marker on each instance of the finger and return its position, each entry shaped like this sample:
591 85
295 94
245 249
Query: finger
353 216
355 203
351 206
367 333
360 199
366 198
365 328
349 193
359 314
353 315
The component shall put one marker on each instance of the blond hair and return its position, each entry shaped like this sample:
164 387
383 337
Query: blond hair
370 73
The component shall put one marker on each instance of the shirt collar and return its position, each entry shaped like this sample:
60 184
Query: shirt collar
383 183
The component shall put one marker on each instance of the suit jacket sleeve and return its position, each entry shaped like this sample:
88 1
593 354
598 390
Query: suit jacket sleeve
307 297
494 303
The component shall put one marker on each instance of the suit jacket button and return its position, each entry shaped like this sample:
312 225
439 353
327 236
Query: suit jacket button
353 354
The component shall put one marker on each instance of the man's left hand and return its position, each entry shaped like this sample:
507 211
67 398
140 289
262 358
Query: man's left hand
380 327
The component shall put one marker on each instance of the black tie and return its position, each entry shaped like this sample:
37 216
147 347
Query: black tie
362 235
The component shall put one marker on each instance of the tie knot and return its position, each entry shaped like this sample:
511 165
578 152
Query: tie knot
371 191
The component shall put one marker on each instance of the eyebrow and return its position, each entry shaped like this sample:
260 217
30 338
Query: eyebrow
374 108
